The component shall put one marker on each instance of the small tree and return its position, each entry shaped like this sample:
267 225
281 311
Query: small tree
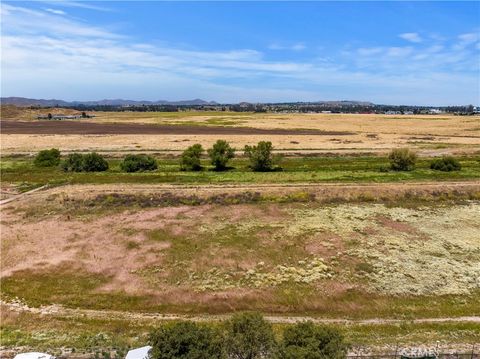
249 336
191 158
73 163
220 154
47 158
136 163
185 340
402 159
308 341
260 156
93 162
49 116
446 164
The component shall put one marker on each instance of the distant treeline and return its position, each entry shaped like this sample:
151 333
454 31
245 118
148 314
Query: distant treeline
298 107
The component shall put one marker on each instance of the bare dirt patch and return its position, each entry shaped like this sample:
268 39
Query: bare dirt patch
92 128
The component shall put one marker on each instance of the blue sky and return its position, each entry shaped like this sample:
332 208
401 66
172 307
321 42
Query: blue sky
425 53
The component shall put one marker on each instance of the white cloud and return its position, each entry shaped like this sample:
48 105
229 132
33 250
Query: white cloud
78 4
469 38
399 51
56 11
365 51
45 55
299 46
411 36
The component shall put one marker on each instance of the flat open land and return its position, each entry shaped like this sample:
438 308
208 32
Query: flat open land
119 132
93 261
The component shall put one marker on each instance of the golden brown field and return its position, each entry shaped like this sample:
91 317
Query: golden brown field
431 134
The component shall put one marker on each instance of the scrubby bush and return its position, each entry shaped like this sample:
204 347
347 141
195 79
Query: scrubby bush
248 335
47 158
190 160
260 156
220 154
185 340
137 163
308 341
446 164
73 163
402 159
93 162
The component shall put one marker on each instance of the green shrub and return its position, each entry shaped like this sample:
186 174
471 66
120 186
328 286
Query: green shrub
402 159
260 156
47 158
248 335
446 164
191 158
93 162
137 163
308 341
73 163
220 154
185 340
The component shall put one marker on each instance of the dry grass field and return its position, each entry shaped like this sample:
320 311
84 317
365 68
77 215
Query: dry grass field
105 255
431 134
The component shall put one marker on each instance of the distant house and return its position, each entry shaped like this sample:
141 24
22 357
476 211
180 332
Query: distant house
434 111
58 117
393 113
33 355
139 353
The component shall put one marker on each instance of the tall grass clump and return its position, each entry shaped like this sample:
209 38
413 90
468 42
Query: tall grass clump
402 159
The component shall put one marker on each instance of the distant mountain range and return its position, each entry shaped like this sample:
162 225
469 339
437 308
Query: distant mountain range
23 101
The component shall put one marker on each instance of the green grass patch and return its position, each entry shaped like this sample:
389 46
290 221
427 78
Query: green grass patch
22 172
74 289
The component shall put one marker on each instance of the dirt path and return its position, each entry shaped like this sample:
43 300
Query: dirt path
18 196
60 311
325 189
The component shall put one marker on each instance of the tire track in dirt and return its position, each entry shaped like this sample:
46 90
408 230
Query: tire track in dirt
60 311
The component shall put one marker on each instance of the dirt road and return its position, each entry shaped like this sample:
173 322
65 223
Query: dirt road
60 311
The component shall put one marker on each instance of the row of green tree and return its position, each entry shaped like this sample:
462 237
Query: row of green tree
246 336
261 159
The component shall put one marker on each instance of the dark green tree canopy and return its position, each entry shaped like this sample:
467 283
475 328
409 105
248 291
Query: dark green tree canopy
220 154
47 158
446 164
138 163
190 160
308 341
186 340
73 163
93 162
261 156
249 336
